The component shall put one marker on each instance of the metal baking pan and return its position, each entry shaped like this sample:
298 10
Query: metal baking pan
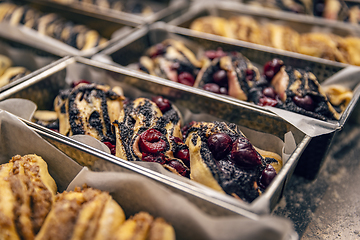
42 90
130 49
188 220
22 55
112 29
298 22
164 10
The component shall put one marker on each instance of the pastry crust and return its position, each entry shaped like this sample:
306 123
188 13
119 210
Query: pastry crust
89 109
241 74
221 173
140 116
27 194
86 214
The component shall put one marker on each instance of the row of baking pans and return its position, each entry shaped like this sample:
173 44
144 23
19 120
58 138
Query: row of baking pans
115 26
306 156
131 48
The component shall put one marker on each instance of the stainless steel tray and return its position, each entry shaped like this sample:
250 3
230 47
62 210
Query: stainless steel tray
298 22
43 88
110 28
164 10
155 197
25 56
131 48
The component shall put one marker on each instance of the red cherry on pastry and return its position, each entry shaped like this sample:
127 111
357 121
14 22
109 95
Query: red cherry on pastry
267 176
250 74
269 92
272 67
266 101
163 103
244 154
306 102
212 87
219 145
184 155
180 168
150 141
111 147
74 84
220 77
186 78
212 54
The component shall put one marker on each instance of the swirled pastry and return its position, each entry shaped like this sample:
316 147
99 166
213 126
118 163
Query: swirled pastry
93 214
246 29
230 73
86 214
145 132
171 60
292 89
222 158
50 24
5 63
280 37
321 45
89 109
27 195
11 74
214 25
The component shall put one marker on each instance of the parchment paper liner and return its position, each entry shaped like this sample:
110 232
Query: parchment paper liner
136 193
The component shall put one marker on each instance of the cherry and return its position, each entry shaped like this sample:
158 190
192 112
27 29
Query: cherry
269 92
150 141
186 78
220 77
212 87
74 84
212 54
250 74
305 102
244 154
267 176
158 158
266 101
272 67
180 168
159 49
163 103
184 155
176 139
219 145
111 147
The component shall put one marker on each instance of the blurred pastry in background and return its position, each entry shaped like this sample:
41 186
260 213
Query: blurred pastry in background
129 6
172 60
9 73
50 24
